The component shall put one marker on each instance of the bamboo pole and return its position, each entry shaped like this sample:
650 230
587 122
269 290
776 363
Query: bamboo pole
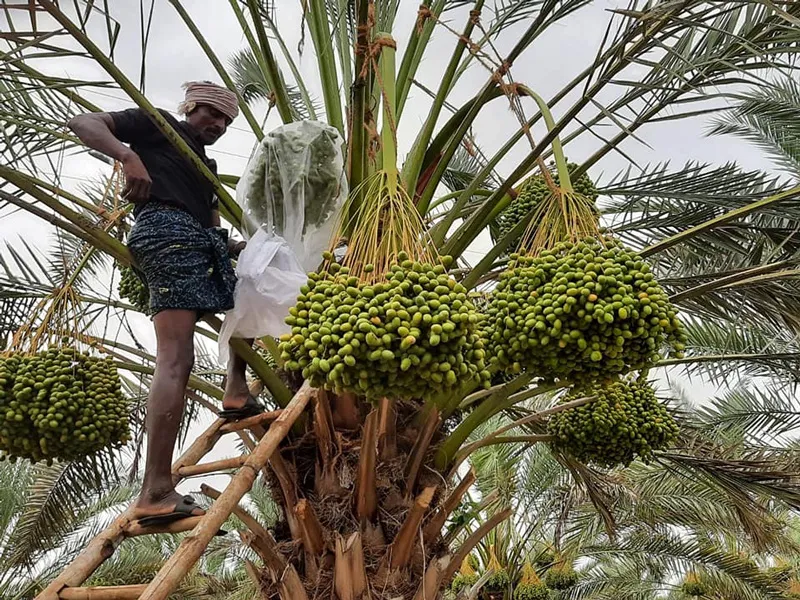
103 545
403 544
192 547
115 592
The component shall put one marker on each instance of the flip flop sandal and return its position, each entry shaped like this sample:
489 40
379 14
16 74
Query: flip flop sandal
251 408
182 510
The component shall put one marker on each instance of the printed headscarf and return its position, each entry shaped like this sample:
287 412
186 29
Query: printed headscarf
211 94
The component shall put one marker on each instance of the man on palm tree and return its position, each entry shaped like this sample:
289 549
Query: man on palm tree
183 255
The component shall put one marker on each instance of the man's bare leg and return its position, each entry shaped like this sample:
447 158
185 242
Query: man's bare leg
174 360
236 390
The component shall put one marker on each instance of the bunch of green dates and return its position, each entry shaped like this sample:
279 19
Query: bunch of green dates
584 310
531 193
132 288
60 404
625 421
412 334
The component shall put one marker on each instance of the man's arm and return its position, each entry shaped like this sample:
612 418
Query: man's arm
97 131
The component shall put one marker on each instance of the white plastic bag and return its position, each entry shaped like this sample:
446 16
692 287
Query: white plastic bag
269 280
294 186
291 195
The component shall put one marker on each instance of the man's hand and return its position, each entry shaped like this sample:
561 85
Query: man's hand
137 179
235 248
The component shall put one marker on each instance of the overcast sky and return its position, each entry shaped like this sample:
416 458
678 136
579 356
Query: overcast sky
173 57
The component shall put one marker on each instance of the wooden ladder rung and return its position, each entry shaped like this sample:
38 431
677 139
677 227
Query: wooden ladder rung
250 421
210 467
113 592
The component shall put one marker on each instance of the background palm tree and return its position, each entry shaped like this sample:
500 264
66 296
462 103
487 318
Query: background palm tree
721 240
671 519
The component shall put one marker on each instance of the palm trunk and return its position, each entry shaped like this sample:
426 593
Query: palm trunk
364 504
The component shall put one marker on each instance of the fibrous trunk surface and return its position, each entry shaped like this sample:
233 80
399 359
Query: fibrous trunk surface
362 502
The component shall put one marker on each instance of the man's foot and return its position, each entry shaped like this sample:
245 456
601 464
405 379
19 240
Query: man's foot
173 503
236 393
250 408
234 402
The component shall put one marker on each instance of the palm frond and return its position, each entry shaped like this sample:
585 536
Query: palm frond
763 415
14 311
658 202
58 493
252 84
768 117
744 476
670 553
722 353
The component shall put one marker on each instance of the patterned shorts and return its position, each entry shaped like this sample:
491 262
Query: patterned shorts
185 266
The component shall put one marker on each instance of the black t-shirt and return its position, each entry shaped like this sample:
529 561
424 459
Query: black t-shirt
176 181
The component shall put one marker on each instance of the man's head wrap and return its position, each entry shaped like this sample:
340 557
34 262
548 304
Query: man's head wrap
211 94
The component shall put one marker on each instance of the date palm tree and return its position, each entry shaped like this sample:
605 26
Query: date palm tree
721 240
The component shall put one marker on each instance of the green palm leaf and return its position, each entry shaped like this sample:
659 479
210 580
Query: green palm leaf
768 117
252 84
